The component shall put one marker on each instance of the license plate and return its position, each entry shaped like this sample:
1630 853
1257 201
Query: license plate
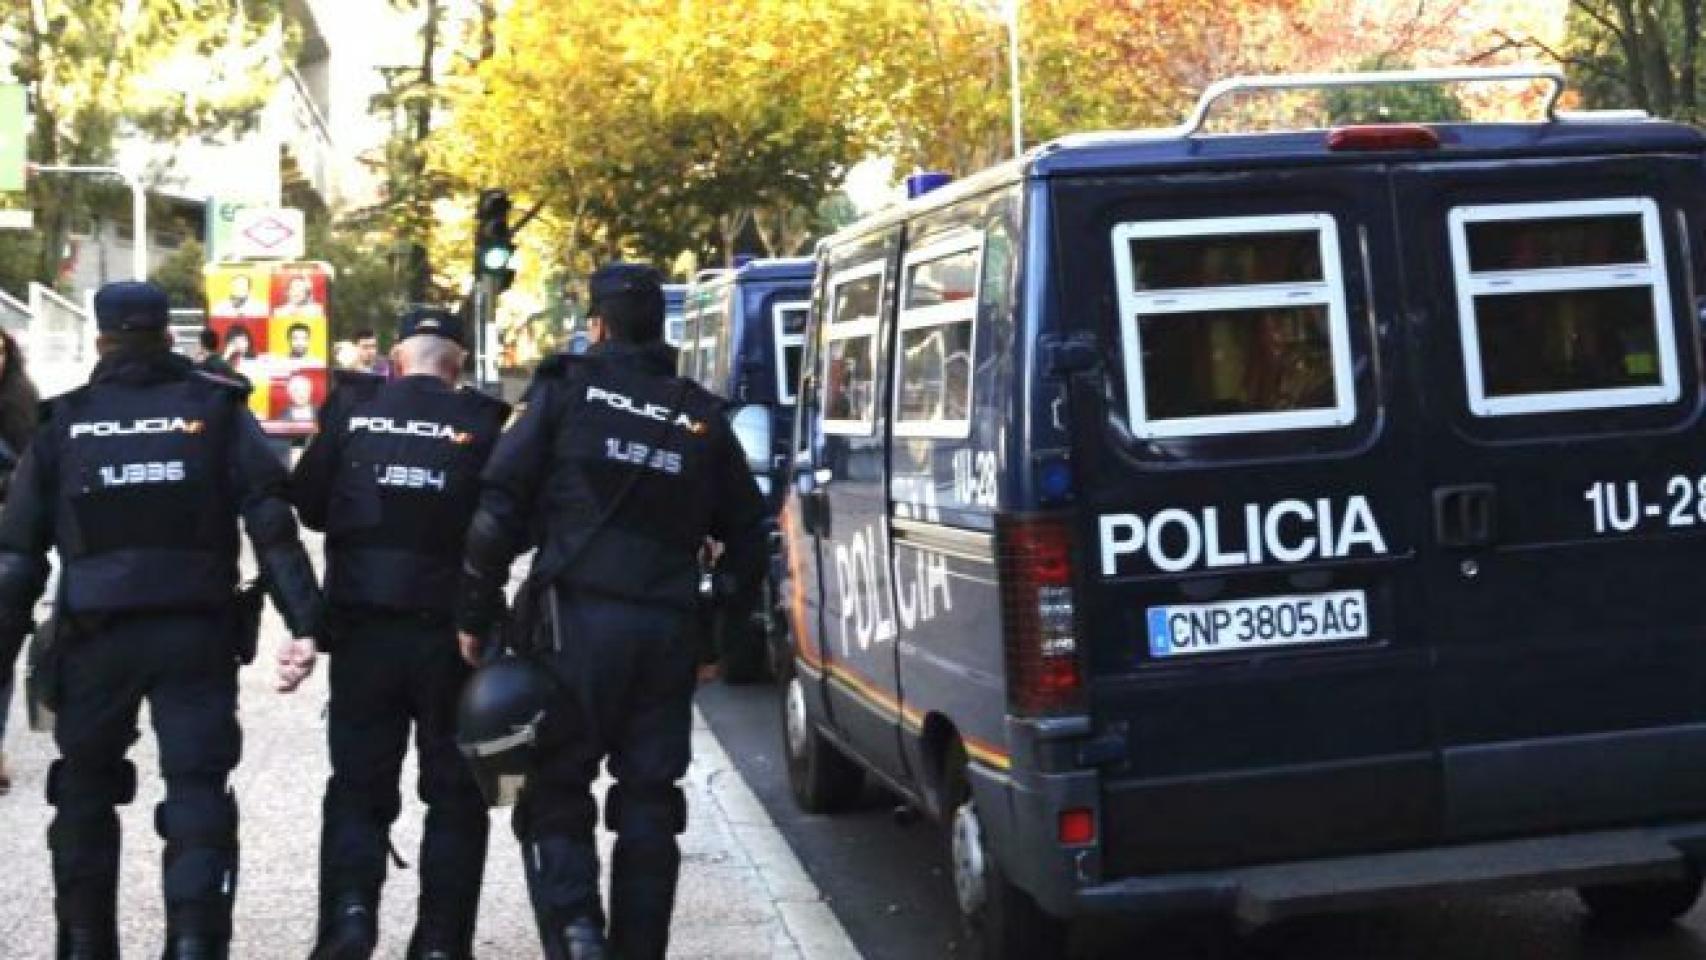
1186 629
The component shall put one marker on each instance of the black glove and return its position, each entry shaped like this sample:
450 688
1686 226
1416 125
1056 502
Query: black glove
13 629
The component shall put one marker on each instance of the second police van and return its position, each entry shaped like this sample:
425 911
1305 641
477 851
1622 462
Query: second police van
742 335
1267 523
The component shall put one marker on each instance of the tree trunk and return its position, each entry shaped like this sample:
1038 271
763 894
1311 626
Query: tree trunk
420 264
1688 100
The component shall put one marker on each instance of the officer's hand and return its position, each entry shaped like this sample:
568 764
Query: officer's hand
471 647
295 663
710 673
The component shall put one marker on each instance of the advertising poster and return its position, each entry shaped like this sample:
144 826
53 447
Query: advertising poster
271 321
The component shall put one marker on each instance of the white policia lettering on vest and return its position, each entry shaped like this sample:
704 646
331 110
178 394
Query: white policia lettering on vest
651 411
149 426
412 428
1290 531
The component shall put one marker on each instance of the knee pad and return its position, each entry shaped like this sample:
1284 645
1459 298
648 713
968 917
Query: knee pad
539 814
663 809
113 786
198 820
382 804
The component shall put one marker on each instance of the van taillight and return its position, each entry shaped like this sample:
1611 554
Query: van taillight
1037 615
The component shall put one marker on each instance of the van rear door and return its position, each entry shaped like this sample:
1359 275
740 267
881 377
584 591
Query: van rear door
1565 466
1251 520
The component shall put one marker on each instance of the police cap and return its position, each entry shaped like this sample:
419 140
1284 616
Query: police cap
436 321
624 280
131 305
629 298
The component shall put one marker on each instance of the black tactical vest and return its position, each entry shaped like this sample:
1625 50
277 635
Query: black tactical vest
624 425
407 483
145 515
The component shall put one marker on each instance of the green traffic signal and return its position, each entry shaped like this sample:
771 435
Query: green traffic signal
497 258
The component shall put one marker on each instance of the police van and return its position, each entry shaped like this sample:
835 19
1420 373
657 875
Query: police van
674 313
742 337
1267 523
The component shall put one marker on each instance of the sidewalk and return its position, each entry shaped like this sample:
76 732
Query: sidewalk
743 893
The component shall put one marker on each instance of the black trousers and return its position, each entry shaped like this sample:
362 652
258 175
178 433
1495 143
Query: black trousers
627 672
184 666
388 672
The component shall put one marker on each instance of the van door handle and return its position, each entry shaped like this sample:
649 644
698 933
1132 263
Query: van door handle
814 511
1464 515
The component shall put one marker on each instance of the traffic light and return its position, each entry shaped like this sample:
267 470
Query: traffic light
494 247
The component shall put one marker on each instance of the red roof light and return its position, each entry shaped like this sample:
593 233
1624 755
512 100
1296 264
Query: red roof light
1383 136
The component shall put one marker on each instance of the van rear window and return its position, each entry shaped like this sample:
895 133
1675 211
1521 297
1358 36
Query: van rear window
1563 306
790 332
1233 325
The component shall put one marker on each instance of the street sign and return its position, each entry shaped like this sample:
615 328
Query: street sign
24 219
268 233
14 132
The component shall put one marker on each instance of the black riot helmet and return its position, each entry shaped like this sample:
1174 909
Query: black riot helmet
498 723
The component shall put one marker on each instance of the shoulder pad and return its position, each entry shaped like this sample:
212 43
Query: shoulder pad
557 366
360 385
223 383
486 400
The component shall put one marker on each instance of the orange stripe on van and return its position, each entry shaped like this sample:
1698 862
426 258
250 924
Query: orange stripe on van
804 641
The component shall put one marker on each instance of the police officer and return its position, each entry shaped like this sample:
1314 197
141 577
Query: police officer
393 479
621 470
138 480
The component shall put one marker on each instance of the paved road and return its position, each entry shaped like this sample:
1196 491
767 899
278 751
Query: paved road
886 880
743 894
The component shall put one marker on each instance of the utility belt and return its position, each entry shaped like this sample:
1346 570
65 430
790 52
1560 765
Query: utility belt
62 632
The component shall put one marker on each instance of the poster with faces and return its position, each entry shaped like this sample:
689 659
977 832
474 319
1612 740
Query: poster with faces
271 321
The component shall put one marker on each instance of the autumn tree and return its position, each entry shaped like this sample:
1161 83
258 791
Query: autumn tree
98 69
1645 54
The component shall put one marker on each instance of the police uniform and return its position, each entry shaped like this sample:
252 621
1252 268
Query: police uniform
393 479
621 470
138 480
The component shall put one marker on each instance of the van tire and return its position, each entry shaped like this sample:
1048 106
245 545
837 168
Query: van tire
820 776
1643 905
998 919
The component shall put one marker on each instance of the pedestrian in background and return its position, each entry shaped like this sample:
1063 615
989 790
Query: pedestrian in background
19 402
208 358
392 477
620 470
138 481
367 358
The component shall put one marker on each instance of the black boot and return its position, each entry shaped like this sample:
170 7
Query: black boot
439 939
194 946
584 940
351 931
92 941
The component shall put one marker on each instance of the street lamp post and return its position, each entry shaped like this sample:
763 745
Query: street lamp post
138 207
1012 16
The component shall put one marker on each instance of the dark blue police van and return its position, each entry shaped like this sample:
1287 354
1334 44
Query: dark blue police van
1267 523
742 337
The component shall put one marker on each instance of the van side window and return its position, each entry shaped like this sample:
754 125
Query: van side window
1563 306
850 350
789 323
937 327
1233 325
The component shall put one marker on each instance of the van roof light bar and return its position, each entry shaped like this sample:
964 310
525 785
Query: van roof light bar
1378 78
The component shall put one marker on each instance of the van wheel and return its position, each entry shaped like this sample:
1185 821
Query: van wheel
821 777
1644 905
1000 921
